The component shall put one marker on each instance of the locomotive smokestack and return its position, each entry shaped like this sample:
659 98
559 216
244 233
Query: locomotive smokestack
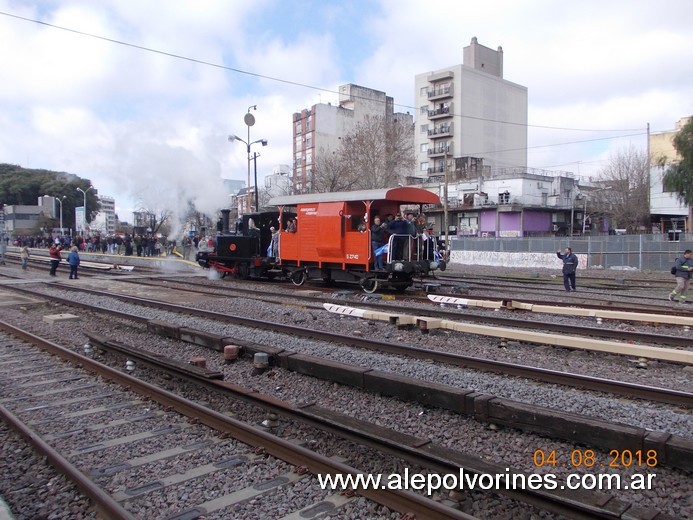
225 221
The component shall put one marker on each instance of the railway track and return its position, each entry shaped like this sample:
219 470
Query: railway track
181 312
598 384
551 376
422 307
87 430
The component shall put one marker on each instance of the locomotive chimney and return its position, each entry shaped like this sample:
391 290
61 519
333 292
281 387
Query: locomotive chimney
225 221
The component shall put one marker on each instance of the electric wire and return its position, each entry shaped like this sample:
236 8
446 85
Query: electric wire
304 85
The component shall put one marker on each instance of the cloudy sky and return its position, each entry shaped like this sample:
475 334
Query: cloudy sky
144 109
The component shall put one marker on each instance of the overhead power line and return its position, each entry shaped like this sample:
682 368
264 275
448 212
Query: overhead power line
294 83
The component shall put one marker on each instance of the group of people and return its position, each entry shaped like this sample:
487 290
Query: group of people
55 254
682 270
413 226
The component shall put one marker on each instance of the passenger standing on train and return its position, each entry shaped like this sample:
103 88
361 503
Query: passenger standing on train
399 226
378 241
411 223
253 231
570 263
55 256
274 243
684 268
73 260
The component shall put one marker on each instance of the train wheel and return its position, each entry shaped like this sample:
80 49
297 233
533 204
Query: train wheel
243 271
369 285
298 278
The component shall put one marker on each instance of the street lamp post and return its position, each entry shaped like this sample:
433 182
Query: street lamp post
60 201
248 144
84 215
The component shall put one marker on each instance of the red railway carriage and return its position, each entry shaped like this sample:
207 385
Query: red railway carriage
332 237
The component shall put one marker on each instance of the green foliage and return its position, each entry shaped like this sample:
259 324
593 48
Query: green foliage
23 187
678 178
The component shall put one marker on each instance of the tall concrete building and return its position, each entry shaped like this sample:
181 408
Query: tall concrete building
468 114
667 212
317 130
108 210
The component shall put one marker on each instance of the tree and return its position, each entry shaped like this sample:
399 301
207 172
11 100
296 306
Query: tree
678 177
24 186
628 199
330 173
378 153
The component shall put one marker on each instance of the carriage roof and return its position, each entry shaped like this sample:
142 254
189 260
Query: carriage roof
403 195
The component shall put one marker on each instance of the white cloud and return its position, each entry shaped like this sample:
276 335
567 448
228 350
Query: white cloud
136 122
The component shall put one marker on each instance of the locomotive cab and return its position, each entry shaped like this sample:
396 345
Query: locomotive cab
246 250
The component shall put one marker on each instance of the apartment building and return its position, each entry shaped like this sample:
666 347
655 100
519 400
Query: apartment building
108 212
317 130
666 211
470 111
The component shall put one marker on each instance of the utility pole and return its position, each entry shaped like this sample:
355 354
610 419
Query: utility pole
445 205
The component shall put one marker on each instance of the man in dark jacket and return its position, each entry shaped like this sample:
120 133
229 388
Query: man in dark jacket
684 268
377 241
570 263
398 227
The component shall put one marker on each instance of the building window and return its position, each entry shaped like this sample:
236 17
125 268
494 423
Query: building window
424 129
423 92
423 148
423 109
424 166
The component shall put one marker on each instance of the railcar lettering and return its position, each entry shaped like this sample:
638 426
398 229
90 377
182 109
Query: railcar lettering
351 256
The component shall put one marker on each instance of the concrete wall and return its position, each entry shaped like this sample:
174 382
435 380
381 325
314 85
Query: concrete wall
504 259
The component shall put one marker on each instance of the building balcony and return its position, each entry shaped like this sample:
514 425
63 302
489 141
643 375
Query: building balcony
441 131
440 113
440 151
440 93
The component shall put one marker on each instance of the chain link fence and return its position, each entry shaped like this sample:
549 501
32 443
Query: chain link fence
643 252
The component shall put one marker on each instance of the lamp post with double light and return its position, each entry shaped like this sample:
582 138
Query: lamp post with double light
249 120
248 144
84 215
60 201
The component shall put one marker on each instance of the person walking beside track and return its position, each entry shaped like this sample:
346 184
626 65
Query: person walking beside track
73 260
570 263
24 255
683 269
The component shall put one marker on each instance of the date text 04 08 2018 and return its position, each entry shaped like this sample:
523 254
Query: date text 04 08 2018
590 459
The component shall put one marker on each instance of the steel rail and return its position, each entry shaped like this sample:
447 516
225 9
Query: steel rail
645 337
573 504
633 390
399 500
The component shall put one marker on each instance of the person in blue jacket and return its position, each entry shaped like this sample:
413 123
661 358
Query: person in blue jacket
73 260
684 268
570 263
